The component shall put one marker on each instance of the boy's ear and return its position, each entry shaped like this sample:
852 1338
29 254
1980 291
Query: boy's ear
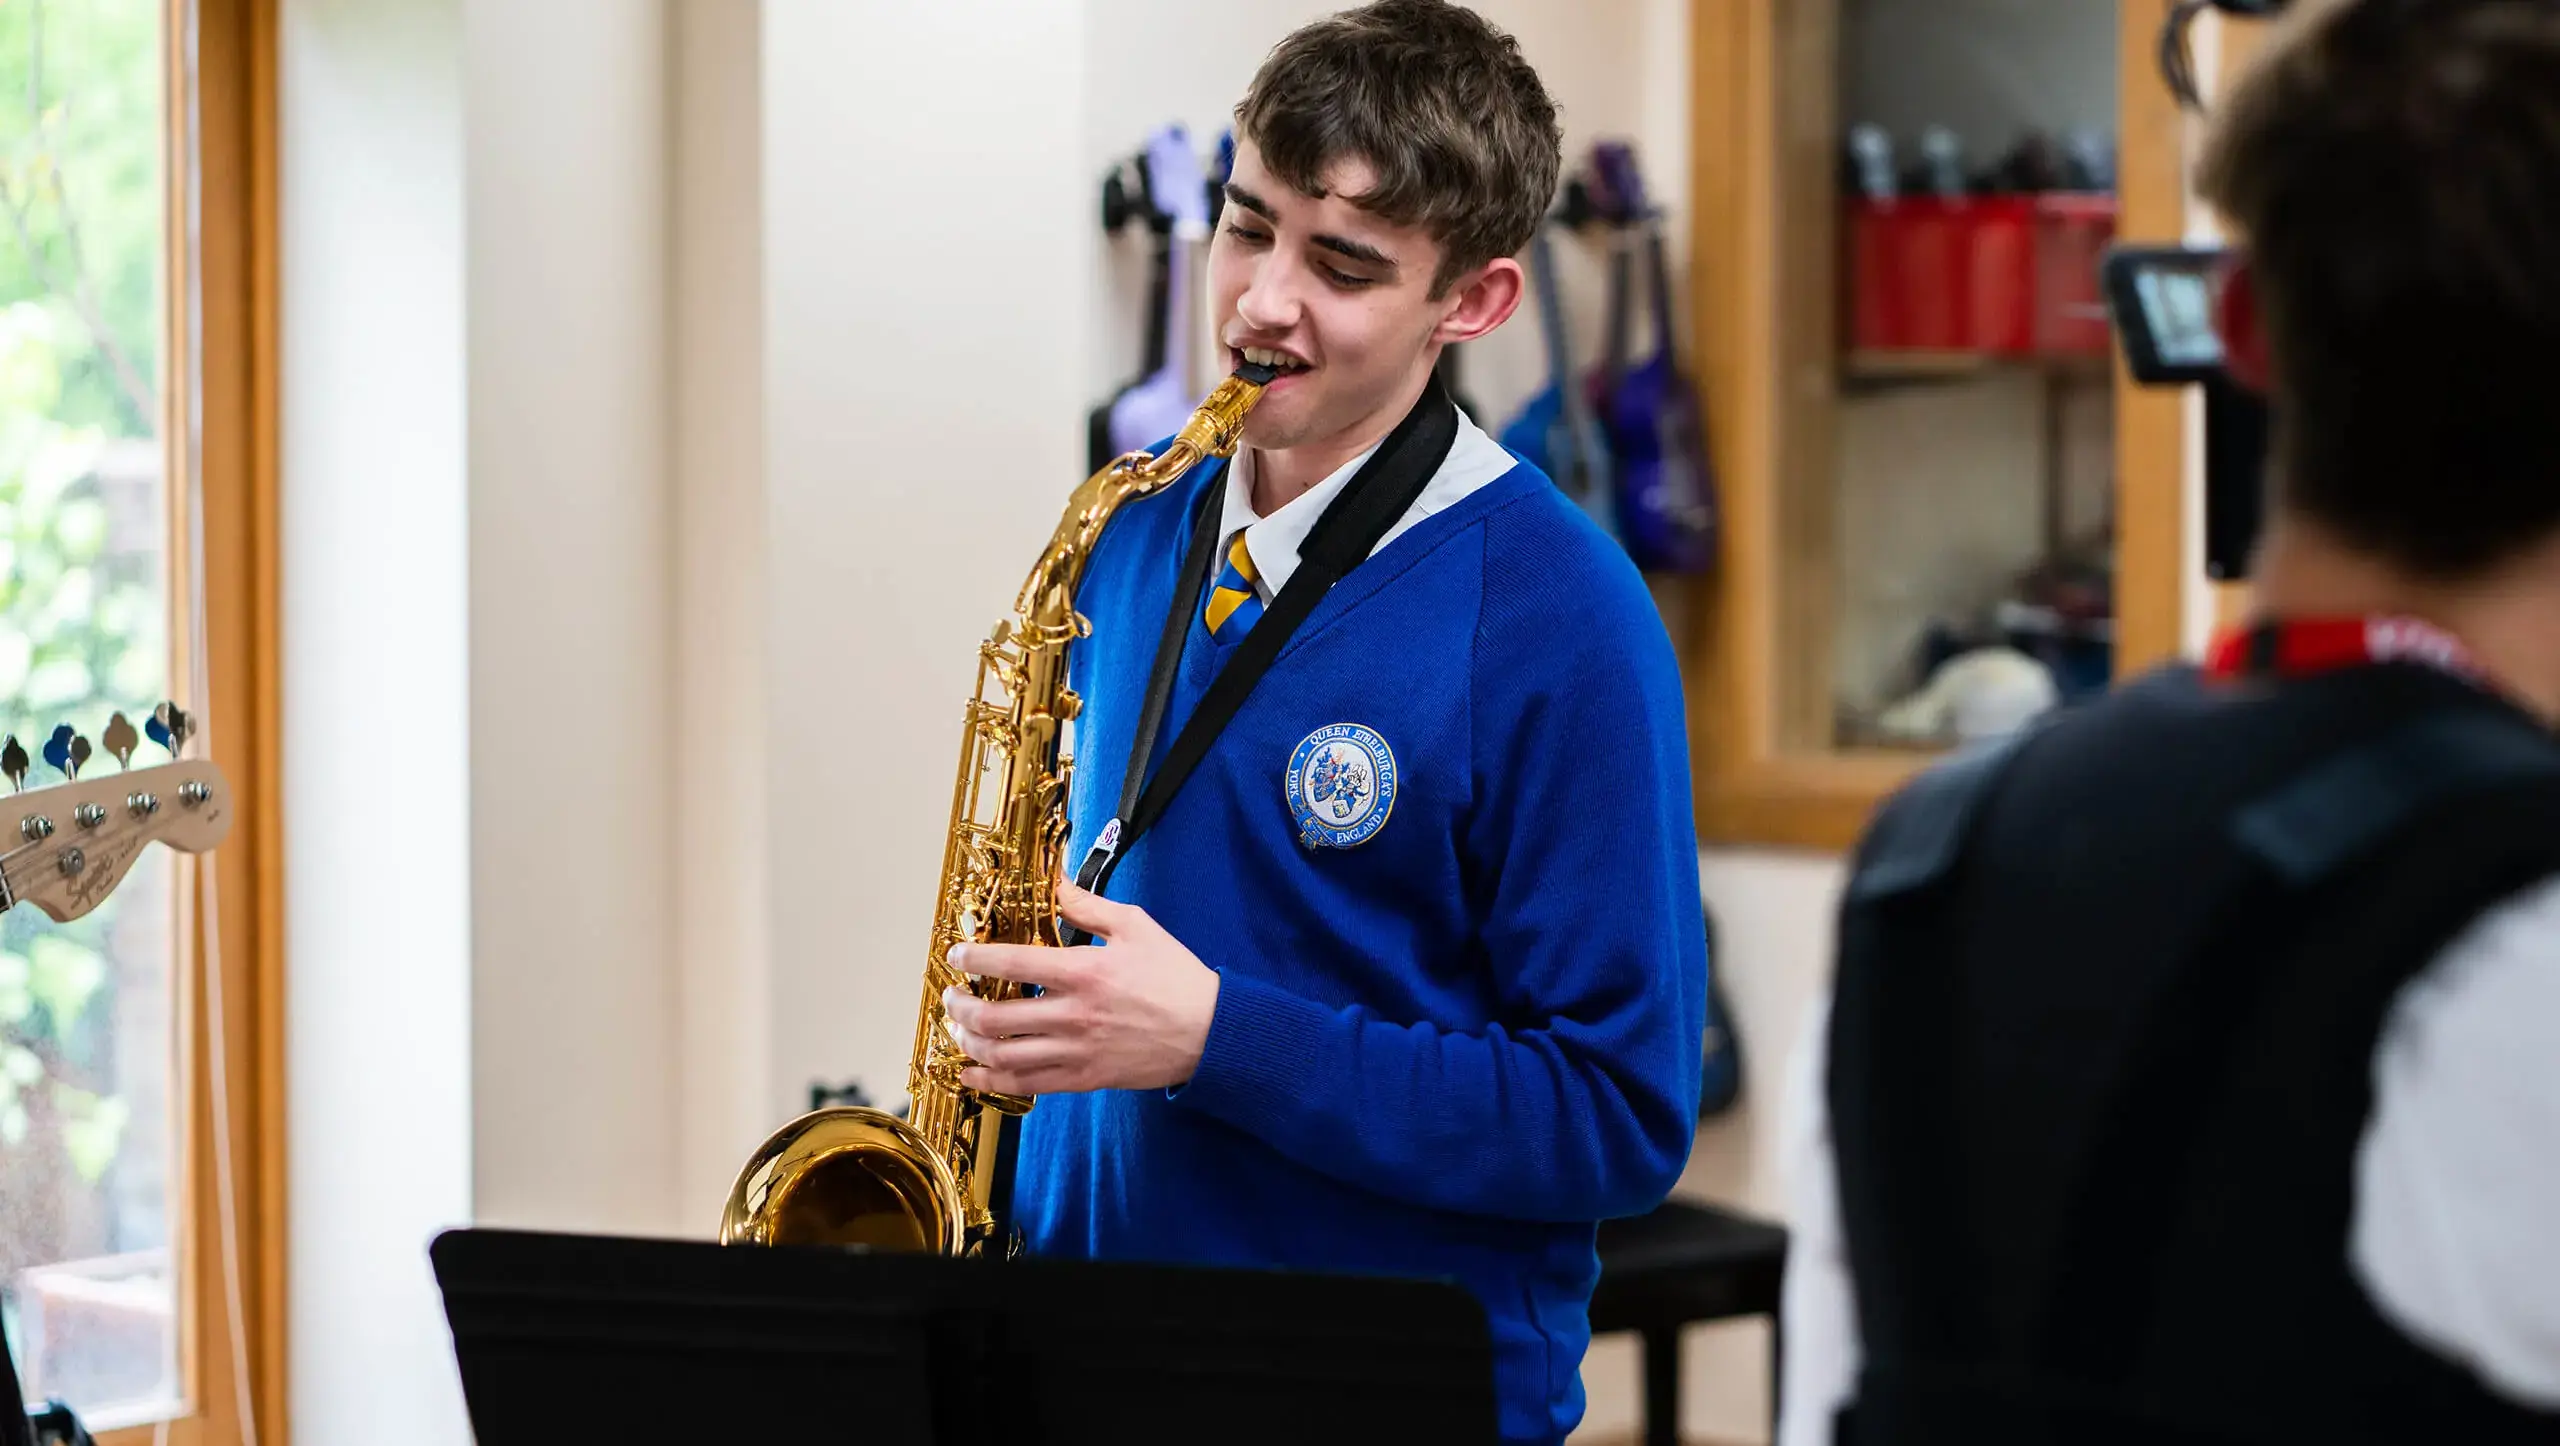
2242 322
1481 301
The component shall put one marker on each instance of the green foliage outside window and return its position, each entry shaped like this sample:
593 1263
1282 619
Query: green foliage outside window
83 629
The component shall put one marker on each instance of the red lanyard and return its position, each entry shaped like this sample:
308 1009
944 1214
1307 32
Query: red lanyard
2321 645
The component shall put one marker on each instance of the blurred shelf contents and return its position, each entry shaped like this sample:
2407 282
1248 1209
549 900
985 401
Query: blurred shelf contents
2001 262
1960 274
1912 370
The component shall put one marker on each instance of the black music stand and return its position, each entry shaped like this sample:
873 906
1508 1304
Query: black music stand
595 1338
13 1405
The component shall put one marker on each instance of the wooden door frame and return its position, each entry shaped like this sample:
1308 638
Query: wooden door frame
1763 191
219 429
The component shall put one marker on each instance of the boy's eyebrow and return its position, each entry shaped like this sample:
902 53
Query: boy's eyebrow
1341 245
1358 251
1251 202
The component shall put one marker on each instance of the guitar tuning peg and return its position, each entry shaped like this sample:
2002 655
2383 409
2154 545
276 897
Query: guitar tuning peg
121 740
13 762
79 754
169 727
57 751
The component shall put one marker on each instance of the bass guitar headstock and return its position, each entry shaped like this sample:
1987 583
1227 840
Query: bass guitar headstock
65 847
1617 184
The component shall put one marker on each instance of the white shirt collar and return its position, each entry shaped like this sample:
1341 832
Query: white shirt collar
1273 542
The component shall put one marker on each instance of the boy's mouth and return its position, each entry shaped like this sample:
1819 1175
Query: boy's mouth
1279 361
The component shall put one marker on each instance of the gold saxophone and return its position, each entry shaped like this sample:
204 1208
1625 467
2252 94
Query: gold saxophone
855 1175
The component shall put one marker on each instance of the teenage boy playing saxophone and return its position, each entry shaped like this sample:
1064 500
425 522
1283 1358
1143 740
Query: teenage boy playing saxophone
1409 975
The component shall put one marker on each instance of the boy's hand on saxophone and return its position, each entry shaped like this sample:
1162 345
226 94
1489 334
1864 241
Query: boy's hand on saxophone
1132 1016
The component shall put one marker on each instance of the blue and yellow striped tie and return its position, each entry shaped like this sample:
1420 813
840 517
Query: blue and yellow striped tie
1233 605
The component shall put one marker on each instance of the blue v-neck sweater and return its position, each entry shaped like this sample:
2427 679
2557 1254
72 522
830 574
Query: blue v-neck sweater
1450 1049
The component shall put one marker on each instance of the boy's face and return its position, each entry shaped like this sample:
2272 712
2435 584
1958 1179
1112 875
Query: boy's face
1343 296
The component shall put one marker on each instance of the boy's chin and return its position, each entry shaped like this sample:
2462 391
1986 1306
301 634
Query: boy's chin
1271 429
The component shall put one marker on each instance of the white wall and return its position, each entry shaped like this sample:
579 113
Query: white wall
924 398
376 694
477 606
724 611
573 864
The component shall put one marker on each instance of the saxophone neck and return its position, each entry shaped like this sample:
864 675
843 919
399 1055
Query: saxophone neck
1216 427
1213 431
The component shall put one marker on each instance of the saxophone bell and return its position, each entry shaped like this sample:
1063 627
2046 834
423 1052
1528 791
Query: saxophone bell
849 1175
929 1182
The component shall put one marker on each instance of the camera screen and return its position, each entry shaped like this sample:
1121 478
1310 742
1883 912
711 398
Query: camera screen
2162 299
2177 303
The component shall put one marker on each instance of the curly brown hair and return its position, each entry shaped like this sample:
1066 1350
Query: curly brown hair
2393 168
1441 105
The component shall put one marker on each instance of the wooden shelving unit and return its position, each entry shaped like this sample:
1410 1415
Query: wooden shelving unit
1766 195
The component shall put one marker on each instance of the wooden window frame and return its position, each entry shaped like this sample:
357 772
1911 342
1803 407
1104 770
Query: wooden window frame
228 265
1764 191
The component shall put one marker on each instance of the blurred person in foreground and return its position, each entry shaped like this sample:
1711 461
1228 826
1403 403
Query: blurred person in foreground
2192 1071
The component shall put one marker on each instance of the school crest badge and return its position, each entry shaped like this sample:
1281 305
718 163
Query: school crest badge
1341 786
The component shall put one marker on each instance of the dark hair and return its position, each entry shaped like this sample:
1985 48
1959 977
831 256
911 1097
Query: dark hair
1457 126
2393 167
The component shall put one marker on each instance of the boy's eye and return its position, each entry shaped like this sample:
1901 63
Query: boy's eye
1336 275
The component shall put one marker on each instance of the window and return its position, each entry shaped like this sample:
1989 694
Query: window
129 543
87 1032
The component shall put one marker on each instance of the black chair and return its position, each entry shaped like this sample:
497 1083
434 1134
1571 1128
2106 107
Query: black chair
1680 1265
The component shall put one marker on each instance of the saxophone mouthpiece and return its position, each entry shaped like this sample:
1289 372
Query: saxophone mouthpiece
1214 428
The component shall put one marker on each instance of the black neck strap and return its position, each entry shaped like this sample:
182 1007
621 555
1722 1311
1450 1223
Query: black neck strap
1370 503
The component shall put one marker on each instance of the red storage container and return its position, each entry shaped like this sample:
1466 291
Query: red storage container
2000 277
1909 268
1869 319
2003 275
2073 232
